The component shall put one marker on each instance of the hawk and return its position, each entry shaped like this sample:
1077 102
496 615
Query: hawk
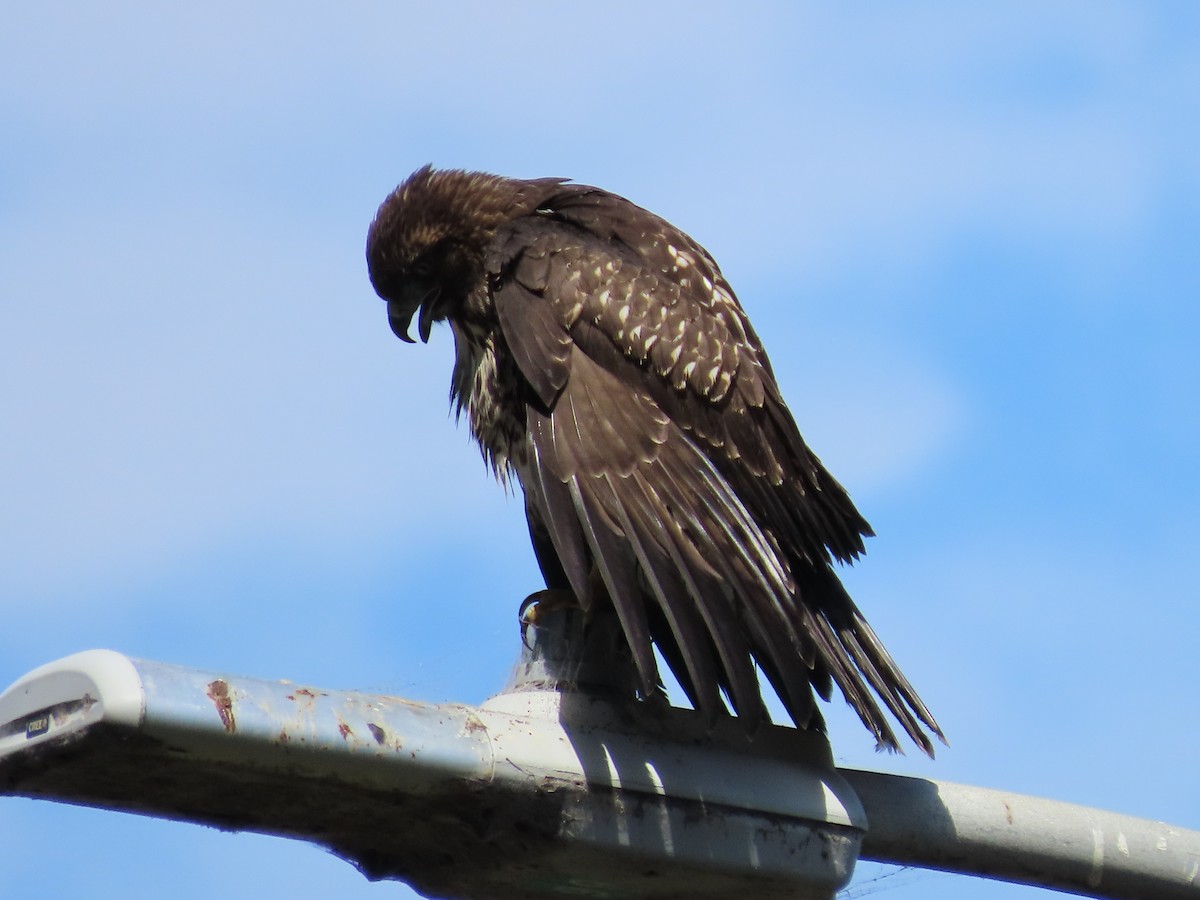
604 363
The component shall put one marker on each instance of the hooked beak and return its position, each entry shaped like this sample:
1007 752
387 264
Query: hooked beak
403 308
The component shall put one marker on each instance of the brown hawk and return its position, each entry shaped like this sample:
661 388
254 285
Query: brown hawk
604 361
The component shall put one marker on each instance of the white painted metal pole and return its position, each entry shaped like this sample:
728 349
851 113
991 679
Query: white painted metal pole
549 789
1029 840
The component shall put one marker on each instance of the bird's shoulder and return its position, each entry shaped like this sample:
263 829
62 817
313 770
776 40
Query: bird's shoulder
615 270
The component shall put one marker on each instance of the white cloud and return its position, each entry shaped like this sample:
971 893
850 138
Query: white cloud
877 419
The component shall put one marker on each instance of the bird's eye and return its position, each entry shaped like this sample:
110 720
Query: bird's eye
422 268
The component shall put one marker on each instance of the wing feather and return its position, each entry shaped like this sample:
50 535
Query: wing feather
690 550
644 527
616 564
539 343
552 504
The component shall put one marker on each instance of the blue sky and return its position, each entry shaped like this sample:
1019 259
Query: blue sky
967 235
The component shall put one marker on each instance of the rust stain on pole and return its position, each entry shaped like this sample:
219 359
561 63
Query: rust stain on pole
218 693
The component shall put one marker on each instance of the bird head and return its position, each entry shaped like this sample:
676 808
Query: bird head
427 243
432 277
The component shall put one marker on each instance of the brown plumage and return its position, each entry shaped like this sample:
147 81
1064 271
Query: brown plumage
603 361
